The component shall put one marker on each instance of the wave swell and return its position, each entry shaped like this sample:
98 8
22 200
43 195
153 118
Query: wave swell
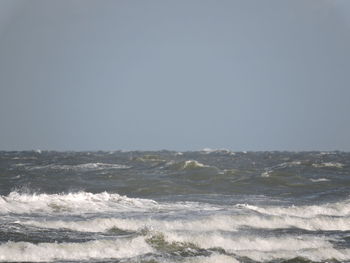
99 249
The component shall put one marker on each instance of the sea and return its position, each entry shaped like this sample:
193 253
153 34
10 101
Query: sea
208 206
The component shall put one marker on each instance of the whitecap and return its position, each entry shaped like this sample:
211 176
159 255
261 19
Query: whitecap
82 167
320 254
190 164
222 150
319 180
213 258
235 244
328 164
341 208
97 249
76 203
228 223
85 202
262 248
266 174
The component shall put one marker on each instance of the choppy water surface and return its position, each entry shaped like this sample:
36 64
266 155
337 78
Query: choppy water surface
206 206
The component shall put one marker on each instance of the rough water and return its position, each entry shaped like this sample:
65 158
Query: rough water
206 206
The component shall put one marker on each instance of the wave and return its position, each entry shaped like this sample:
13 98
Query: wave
270 170
213 258
105 224
187 165
212 223
149 158
221 151
320 254
259 248
263 248
243 243
319 180
269 218
341 208
192 165
82 167
97 249
85 202
266 248
328 164
79 202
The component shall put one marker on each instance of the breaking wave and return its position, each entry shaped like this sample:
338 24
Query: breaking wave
319 180
98 249
220 151
193 166
80 167
328 164
341 208
85 202
211 223
80 202
187 165
214 258
267 248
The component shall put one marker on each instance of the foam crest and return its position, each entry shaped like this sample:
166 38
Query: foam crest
79 202
187 165
105 224
99 249
213 258
324 223
82 167
85 202
213 223
328 164
330 209
267 248
320 254
221 151
235 244
191 165
319 180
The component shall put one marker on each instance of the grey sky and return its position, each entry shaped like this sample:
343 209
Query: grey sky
181 75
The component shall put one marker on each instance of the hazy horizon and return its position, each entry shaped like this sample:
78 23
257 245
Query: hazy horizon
175 75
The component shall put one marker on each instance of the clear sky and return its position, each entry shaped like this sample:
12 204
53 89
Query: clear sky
178 75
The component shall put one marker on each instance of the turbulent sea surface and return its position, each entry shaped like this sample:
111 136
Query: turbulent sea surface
206 206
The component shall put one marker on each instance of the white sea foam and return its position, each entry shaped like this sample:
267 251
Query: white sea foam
313 254
84 202
213 258
82 167
280 222
104 224
253 243
187 165
341 208
319 180
267 248
80 202
269 170
98 249
328 164
193 164
206 224
266 174
258 248
223 150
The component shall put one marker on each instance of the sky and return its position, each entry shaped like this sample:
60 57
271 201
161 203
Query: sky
177 75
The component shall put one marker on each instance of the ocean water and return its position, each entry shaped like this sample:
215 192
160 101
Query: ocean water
205 206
